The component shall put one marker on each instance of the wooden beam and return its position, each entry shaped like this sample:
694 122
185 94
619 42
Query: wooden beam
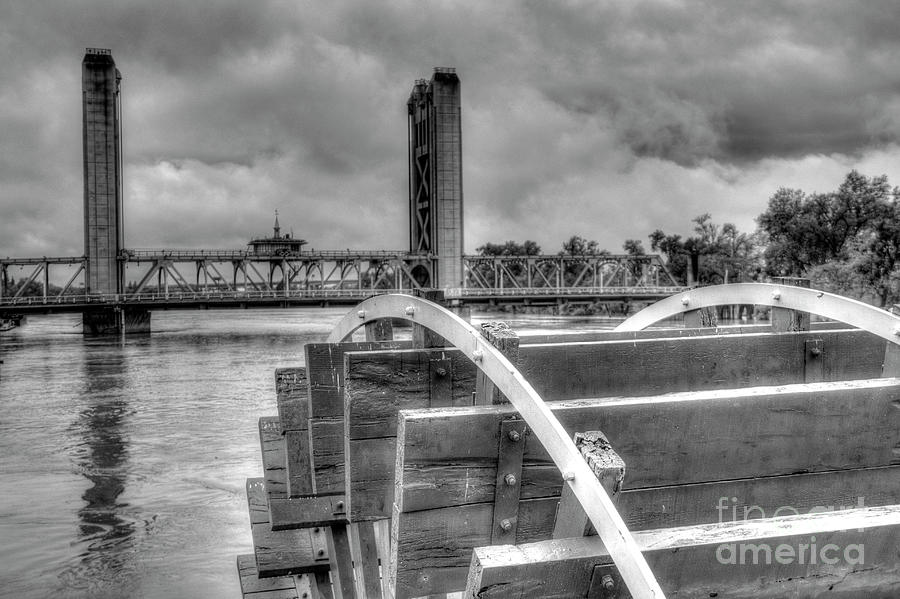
254 587
380 384
611 335
458 530
571 521
852 553
279 553
448 456
272 445
507 341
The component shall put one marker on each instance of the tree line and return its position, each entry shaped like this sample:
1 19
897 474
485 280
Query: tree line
846 241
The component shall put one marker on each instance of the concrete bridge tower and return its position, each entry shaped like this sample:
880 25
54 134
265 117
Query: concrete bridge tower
103 230
435 179
103 219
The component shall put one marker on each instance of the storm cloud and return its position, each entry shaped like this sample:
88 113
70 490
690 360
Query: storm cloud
604 119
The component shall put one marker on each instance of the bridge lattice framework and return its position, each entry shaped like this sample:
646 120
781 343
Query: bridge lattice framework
235 271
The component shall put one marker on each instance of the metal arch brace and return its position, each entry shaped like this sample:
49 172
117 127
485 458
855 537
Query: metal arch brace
558 443
850 311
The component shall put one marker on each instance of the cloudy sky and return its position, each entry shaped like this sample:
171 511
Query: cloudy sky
602 119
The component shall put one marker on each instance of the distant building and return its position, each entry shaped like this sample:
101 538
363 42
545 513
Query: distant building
277 244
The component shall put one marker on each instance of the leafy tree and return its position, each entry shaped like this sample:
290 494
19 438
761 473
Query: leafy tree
577 245
633 247
510 248
715 254
847 240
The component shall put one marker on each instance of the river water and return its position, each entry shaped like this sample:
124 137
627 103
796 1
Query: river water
123 461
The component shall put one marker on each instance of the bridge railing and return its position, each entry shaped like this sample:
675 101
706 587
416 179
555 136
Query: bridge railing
561 291
145 254
215 295
193 296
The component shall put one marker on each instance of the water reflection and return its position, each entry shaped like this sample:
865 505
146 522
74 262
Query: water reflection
105 532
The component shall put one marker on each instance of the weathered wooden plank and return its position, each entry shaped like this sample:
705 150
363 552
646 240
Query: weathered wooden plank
571 519
292 393
299 471
368 573
449 455
341 561
279 553
851 554
273 456
254 587
507 341
660 333
418 568
380 383
306 512
653 366
327 455
292 390
436 545
325 369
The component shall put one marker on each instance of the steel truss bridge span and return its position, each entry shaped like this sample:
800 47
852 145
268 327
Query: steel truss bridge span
206 278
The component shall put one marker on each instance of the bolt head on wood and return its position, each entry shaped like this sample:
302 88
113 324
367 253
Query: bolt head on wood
477 355
514 436
776 295
897 330
608 582
685 300
361 313
410 310
568 476
510 480
505 524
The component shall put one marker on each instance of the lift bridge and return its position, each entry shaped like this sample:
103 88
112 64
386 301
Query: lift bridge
115 287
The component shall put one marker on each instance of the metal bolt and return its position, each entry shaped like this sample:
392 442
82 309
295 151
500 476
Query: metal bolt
685 300
441 372
410 310
897 330
815 351
477 355
776 295
361 313
505 524
568 476
316 530
608 582
514 436
320 552
339 506
510 480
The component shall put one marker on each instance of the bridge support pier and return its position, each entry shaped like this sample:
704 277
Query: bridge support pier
115 321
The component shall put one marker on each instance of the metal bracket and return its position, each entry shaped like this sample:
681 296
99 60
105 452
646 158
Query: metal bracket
606 583
510 452
319 541
814 361
440 376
